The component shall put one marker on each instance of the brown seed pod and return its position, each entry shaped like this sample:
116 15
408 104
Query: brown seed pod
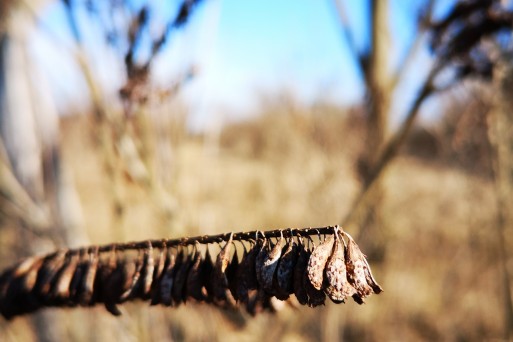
78 276
258 301
195 279
246 274
317 262
87 288
159 267
147 272
61 285
16 296
284 280
315 297
105 269
115 285
207 268
132 278
46 274
160 271
221 293
180 278
266 264
231 275
336 285
299 271
356 266
166 284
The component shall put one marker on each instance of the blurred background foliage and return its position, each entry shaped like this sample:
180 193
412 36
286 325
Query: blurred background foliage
429 201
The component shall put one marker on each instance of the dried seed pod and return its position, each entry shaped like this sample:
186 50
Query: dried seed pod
317 262
195 278
266 264
207 268
299 271
87 286
132 279
231 275
165 259
159 267
180 278
221 293
61 285
166 284
115 285
105 269
45 275
284 282
147 273
16 296
78 276
336 285
258 301
315 297
246 274
356 266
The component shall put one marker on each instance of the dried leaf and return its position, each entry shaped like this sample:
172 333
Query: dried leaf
317 262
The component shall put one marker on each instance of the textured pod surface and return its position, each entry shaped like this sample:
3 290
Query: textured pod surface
299 272
220 290
266 264
318 260
356 266
148 270
166 284
45 275
246 274
284 284
315 296
170 272
62 282
336 285
180 279
195 279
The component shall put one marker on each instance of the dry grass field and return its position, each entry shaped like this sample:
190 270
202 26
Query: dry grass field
440 274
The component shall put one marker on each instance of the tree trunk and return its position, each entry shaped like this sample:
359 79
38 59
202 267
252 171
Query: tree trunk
501 138
379 92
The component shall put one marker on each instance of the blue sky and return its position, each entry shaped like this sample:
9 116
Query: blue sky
242 48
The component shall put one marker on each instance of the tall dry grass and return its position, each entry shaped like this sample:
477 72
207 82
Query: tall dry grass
295 167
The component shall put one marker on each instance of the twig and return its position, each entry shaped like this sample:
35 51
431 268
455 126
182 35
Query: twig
391 149
206 239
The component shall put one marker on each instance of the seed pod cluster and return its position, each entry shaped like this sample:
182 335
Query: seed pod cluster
173 272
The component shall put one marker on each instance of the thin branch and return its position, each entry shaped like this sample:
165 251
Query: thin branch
415 45
346 30
392 148
208 239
